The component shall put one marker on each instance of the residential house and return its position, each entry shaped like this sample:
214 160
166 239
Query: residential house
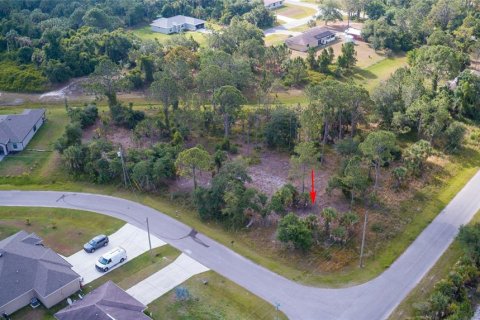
312 38
272 4
29 270
177 24
16 130
107 302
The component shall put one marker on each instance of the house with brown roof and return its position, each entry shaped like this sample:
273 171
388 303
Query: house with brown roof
30 270
107 302
312 38
16 130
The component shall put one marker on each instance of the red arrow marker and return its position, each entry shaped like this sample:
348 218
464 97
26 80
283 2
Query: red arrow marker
313 194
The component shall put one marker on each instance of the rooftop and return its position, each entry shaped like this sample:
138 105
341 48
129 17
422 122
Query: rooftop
310 35
15 127
176 20
107 302
25 264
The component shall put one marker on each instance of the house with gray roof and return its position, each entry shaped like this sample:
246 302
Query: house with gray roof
312 38
177 24
107 302
16 130
29 270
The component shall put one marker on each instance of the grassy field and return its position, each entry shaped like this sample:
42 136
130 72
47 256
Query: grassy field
219 299
146 33
294 11
371 76
423 290
275 39
65 231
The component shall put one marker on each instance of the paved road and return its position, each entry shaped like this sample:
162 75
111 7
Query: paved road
370 301
291 23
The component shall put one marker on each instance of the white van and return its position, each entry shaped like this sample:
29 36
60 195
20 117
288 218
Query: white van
111 259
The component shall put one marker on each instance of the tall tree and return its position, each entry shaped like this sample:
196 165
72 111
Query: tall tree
192 160
305 157
377 148
330 11
165 89
229 100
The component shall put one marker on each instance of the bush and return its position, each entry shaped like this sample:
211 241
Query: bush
292 229
281 130
24 78
86 116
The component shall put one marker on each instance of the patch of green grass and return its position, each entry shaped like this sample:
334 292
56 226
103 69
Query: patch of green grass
294 11
138 269
146 33
32 161
423 290
373 75
219 299
63 230
275 39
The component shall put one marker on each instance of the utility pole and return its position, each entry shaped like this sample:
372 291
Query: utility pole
363 238
277 307
120 155
149 241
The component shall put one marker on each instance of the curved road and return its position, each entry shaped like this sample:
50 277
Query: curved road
370 301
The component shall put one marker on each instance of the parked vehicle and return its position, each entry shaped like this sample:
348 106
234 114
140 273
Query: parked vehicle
111 259
95 243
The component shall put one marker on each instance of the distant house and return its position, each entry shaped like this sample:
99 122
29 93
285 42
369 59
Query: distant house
30 270
16 130
107 302
312 38
354 33
272 4
177 24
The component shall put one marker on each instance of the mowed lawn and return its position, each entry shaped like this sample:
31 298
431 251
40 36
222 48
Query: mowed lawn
146 33
219 298
275 39
40 149
63 230
294 11
373 75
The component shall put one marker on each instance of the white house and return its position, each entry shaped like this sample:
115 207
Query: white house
16 130
272 4
177 24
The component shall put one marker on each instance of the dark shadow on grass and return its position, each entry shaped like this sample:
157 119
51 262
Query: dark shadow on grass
363 74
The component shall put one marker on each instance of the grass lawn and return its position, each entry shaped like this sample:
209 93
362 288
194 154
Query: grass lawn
294 11
29 160
275 39
371 76
63 230
423 290
146 33
219 299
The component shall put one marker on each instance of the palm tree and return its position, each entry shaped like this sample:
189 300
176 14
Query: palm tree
329 214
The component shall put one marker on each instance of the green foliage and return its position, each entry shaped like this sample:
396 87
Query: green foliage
296 72
469 238
305 157
291 229
352 180
86 115
454 135
281 129
347 58
191 160
126 116
72 136
399 175
23 78
467 95
284 199
416 155
330 11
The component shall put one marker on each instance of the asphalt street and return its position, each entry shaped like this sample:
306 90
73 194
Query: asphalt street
373 300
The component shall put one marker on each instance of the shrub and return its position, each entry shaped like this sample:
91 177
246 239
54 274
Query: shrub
23 78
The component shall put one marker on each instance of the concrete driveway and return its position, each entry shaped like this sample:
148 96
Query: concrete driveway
134 240
166 279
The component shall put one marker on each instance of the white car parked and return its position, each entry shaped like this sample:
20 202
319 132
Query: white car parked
111 259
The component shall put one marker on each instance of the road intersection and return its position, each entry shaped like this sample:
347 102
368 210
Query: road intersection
375 299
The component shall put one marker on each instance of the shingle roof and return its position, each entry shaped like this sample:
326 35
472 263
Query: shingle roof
107 302
15 127
176 20
308 36
25 264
